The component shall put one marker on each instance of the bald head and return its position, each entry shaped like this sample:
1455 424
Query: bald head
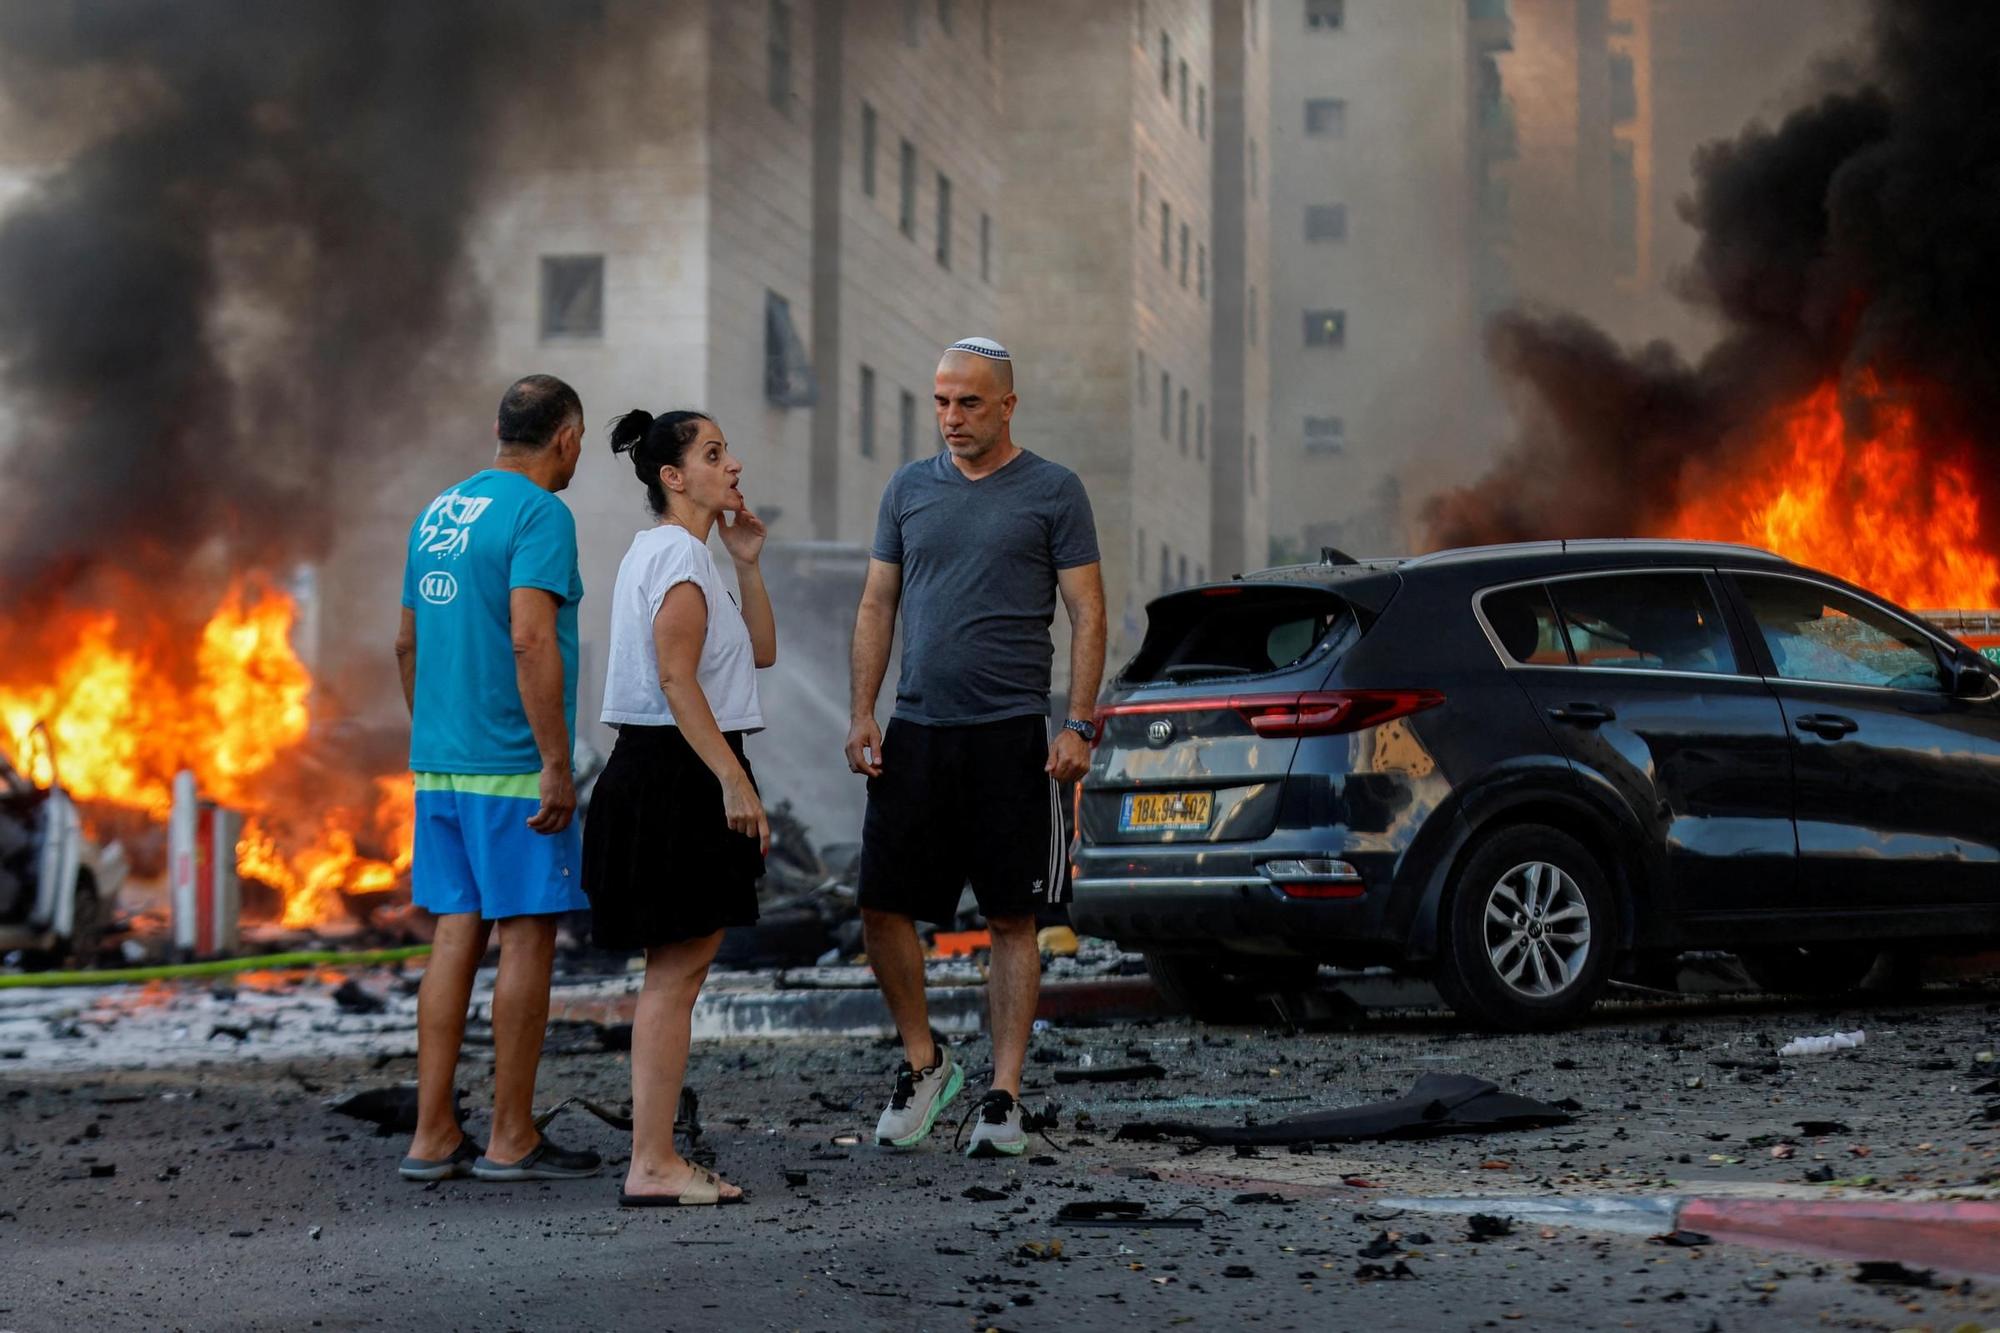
995 373
975 399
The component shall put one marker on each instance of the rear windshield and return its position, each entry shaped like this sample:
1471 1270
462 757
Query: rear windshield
1212 633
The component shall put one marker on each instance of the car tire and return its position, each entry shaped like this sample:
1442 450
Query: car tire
1508 969
1207 993
1808 969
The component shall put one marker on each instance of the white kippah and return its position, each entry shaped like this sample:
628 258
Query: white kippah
985 347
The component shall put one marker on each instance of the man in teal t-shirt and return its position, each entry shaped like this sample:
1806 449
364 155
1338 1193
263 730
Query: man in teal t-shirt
488 657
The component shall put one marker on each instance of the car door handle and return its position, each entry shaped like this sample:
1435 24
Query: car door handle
1827 726
1582 715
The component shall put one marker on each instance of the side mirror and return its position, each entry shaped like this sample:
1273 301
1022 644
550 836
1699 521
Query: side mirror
1974 677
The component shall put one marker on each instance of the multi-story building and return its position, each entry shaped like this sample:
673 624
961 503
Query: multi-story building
1109 249
1371 310
1239 425
786 238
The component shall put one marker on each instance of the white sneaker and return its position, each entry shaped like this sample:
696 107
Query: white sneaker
999 1132
920 1096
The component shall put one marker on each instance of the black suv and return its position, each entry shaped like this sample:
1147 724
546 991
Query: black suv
1525 769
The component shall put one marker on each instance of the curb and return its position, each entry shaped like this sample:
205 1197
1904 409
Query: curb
1958 1237
1961 1237
860 1012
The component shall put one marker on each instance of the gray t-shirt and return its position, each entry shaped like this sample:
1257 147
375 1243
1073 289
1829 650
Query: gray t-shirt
979 562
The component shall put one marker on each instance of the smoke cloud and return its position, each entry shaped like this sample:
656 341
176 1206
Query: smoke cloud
1857 243
233 286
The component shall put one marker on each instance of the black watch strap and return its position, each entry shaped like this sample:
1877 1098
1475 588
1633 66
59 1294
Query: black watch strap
1087 730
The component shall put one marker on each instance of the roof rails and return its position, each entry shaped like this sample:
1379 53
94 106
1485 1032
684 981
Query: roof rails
1559 546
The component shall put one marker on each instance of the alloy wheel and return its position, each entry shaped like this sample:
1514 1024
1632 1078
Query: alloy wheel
1537 928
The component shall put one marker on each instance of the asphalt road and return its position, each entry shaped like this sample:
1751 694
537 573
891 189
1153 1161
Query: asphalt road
227 1197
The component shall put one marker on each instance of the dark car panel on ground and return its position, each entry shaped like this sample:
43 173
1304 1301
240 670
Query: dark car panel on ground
1523 770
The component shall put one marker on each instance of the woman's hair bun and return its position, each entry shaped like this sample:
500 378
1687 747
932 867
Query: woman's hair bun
628 431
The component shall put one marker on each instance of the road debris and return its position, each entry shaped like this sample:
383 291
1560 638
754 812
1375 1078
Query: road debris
1836 1041
1435 1104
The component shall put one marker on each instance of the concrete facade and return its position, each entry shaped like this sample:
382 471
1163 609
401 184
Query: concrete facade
1239 423
1110 269
1371 319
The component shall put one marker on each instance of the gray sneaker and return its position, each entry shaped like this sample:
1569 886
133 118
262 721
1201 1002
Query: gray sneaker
999 1132
919 1098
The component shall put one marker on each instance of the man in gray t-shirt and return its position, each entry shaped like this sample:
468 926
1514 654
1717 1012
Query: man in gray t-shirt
973 546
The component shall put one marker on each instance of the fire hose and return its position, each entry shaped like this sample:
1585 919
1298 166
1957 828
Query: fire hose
213 968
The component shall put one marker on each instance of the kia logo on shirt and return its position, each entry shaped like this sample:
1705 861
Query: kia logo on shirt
437 587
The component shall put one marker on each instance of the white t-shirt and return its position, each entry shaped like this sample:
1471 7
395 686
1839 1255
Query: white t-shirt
660 558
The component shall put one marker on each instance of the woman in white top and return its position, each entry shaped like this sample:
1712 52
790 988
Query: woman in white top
675 840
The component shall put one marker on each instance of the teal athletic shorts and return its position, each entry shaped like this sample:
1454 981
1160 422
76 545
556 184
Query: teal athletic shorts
475 852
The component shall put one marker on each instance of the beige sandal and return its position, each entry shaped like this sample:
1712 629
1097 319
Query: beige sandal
705 1190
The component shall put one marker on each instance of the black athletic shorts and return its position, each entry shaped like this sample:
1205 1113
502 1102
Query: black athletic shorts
964 803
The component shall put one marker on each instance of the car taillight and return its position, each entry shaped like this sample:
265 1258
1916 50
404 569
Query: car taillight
1316 713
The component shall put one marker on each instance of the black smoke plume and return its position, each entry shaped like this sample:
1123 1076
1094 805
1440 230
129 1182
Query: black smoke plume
241 251
1858 244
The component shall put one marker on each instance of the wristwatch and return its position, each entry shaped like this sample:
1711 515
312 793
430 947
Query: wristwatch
1087 730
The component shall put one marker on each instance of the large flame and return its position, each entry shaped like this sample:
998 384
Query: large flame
127 707
1893 511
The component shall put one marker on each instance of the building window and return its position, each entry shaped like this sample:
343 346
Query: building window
1166 235
1250 463
1184 421
1624 89
1140 362
1326 222
1166 406
1201 430
867 412
868 132
1166 569
1145 198
1251 314
913 22
1326 328
788 375
943 220
1201 271
986 247
906 426
1326 117
1183 571
1326 15
572 296
1326 435
1184 92
906 204
1139 556
1253 168
1624 210
944 16
1166 65
1201 110
1184 254
778 49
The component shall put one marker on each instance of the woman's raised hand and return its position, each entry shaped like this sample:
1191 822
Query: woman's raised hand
742 535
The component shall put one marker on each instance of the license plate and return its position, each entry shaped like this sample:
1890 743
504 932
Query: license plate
1155 812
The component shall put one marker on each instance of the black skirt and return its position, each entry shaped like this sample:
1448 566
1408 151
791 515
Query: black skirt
660 863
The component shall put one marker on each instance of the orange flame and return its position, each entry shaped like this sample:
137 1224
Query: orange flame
127 708
1893 512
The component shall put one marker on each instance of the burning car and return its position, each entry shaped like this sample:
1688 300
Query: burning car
57 887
